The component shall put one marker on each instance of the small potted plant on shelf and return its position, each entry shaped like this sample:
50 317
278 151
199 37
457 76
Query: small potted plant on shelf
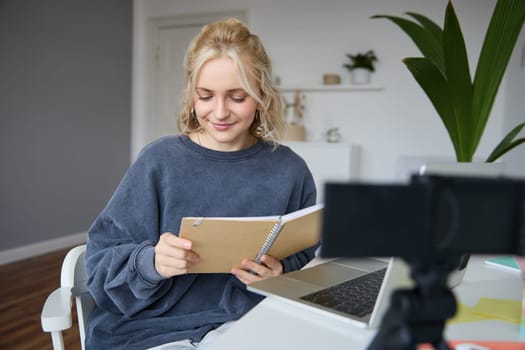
360 66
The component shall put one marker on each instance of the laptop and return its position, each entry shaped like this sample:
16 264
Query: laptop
373 209
431 222
371 278
360 220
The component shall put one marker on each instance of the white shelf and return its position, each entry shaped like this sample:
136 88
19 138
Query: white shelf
339 87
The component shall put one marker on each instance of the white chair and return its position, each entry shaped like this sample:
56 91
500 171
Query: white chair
57 310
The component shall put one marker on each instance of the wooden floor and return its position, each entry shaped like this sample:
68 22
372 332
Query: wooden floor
24 286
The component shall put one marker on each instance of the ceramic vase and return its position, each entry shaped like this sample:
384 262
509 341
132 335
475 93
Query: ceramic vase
360 76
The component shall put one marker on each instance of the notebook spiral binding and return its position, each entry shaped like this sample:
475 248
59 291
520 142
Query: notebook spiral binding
268 241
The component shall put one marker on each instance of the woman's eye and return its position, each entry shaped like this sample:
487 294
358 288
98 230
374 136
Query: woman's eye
205 97
238 99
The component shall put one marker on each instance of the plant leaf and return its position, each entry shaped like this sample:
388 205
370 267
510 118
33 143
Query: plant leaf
459 81
436 88
495 155
504 28
507 143
429 25
424 39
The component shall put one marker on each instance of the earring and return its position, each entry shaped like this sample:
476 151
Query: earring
193 115
260 129
194 119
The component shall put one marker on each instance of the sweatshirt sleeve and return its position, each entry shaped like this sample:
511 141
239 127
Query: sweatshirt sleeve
120 249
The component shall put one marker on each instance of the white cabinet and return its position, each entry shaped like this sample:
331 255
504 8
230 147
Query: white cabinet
328 162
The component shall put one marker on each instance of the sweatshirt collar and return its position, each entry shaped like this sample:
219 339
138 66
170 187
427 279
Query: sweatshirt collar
243 154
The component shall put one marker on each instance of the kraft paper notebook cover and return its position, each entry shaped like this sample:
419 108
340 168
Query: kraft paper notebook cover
222 242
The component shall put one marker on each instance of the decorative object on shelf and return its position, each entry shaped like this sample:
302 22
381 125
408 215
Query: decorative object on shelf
463 104
294 111
294 132
331 79
360 66
333 135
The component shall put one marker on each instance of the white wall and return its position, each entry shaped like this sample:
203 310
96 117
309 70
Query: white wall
307 38
65 71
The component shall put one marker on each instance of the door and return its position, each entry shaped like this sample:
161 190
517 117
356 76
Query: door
172 43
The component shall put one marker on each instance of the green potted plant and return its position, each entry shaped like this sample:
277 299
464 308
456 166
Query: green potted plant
360 66
464 104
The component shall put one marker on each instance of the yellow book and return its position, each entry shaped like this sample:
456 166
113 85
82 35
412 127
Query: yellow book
222 242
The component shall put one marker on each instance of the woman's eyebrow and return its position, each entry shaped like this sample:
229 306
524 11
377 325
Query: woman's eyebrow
201 89
237 90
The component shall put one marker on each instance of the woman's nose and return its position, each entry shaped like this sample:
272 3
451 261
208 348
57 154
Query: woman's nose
221 109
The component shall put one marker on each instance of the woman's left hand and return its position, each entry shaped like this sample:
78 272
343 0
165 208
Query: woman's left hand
269 267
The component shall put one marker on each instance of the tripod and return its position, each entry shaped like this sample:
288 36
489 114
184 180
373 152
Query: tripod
418 315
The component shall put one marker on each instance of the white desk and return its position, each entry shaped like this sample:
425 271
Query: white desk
276 324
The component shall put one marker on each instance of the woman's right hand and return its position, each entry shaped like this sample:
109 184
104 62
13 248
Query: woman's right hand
173 255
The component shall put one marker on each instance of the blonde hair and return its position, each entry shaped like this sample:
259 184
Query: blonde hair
231 38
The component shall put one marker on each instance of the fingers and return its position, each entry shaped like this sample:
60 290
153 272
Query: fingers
272 263
253 272
173 255
245 276
175 241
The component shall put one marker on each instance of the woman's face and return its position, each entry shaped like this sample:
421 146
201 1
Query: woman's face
224 109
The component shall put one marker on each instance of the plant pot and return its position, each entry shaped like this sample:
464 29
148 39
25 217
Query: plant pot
360 76
463 169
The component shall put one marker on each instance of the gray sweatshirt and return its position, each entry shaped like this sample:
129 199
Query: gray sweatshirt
173 177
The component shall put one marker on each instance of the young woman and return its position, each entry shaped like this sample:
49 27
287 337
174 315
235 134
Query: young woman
226 162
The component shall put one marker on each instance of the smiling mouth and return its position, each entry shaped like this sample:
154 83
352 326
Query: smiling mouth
222 126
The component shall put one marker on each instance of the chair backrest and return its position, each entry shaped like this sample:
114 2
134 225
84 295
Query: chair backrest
74 276
57 311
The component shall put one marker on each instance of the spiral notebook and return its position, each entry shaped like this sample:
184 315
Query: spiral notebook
222 242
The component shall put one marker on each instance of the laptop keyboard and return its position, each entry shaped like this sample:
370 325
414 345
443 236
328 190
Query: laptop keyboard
355 297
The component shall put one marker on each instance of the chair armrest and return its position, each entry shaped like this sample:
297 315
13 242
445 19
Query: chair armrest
56 313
